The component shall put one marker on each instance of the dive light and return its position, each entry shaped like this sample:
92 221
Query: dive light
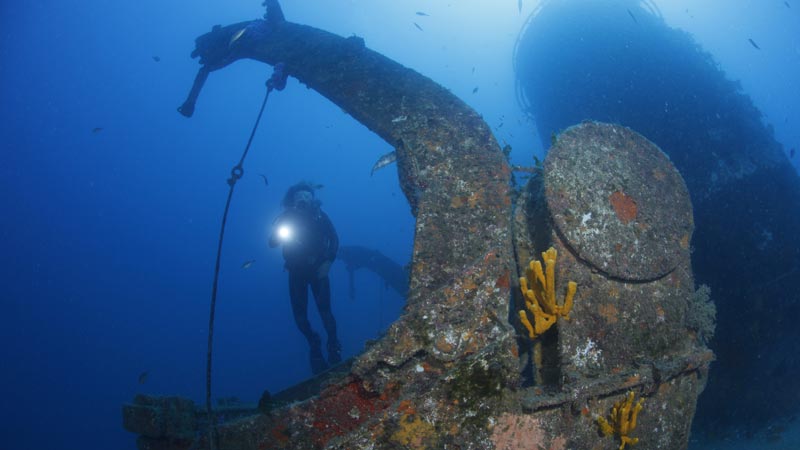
285 233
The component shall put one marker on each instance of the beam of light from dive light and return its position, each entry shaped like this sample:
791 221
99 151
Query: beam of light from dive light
285 232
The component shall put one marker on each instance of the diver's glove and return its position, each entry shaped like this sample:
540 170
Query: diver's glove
323 269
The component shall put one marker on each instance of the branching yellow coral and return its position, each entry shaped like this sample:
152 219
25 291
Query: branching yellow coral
622 420
540 299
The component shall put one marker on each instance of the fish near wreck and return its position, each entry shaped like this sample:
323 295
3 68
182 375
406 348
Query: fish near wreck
447 372
236 36
384 161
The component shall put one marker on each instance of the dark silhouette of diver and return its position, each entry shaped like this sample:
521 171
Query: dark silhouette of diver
309 245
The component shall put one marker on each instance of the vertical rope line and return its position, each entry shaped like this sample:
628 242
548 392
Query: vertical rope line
236 174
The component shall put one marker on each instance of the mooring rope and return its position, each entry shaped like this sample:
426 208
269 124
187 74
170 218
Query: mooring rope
276 81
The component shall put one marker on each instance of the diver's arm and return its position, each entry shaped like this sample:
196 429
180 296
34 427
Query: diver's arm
274 241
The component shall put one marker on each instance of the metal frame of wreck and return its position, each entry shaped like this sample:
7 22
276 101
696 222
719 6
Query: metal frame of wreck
447 372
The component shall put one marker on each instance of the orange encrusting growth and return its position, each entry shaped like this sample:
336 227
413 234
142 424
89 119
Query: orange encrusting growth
624 206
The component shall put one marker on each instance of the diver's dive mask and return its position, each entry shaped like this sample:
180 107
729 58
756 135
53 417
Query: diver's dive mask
303 199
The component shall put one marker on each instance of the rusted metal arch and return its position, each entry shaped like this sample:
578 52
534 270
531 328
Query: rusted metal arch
455 335
443 146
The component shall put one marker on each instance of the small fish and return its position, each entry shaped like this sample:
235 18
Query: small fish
143 377
791 153
247 264
501 125
475 90
266 182
632 16
236 36
473 70
384 161
787 4
97 129
418 27
420 13
156 58
519 6
754 44
399 119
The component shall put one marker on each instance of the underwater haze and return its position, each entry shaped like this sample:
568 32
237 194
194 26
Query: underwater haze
112 200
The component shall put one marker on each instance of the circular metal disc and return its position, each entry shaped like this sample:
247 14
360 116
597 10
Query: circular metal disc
617 201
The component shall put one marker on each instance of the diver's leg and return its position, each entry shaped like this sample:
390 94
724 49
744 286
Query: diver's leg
298 292
321 287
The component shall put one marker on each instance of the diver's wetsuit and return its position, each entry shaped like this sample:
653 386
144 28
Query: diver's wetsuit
313 244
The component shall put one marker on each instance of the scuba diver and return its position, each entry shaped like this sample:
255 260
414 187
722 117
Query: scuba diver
309 245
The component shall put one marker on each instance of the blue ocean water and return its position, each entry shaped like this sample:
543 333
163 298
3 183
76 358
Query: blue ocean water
112 200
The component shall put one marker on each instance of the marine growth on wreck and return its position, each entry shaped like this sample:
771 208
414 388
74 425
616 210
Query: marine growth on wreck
540 298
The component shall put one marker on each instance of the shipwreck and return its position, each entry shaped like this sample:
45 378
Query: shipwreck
600 350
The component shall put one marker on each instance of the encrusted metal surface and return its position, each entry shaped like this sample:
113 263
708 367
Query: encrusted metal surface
618 201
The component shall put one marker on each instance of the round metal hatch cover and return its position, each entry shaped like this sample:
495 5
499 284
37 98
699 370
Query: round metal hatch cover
617 201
